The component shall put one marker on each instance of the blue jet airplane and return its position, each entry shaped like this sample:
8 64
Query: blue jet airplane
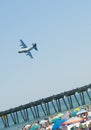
26 49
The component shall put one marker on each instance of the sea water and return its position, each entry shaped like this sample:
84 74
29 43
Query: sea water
19 126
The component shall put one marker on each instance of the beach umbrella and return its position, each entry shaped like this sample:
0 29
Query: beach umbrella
59 115
73 113
81 112
54 120
77 109
73 120
35 126
58 124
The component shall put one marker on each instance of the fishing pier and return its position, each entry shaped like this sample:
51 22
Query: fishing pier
47 106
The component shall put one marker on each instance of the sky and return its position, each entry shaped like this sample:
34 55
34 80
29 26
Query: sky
62 31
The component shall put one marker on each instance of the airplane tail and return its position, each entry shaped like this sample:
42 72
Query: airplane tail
35 46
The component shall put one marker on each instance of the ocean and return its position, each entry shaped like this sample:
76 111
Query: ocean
31 119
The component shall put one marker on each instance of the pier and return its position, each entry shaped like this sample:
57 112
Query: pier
46 106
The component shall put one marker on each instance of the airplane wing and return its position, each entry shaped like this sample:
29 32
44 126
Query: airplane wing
29 53
23 45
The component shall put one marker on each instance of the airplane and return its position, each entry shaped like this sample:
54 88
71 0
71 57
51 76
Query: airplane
26 49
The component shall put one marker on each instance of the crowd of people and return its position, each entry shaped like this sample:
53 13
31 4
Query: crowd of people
65 121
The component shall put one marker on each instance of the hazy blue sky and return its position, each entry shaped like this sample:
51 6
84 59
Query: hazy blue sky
62 31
